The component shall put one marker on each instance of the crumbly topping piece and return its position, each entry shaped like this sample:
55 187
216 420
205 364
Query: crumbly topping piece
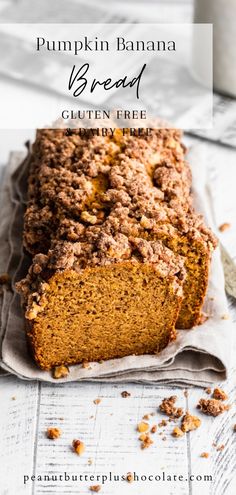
143 427
5 279
219 394
205 455
97 401
78 447
224 226
147 442
177 432
102 200
129 477
85 364
95 488
190 422
153 429
168 407
208 390
53 433
162 423
225 316
212 407
125 394
60 371
142 437
221 447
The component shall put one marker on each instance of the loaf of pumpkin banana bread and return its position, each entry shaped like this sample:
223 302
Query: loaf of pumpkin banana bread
119 257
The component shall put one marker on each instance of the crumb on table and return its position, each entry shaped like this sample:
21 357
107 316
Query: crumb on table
221 447
225 317
143 427
153 429
60 371
53 433
224 226
212 407
130 477
147 442
190 422
78 447
205 455
125 394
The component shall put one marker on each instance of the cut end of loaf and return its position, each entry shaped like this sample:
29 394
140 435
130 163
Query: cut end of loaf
103 314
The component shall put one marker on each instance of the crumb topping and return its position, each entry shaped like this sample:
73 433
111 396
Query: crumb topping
212 407
53 433
205 455
177 432
147 442
60 371
168 407
125 394
219 394
101 200
190 422
78 447
143 427
224 226
95 488
130 477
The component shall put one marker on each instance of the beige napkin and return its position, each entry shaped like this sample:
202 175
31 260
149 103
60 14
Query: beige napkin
198 357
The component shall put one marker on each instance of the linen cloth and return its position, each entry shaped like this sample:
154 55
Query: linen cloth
198 357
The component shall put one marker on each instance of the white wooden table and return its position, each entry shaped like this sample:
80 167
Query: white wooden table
108 429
